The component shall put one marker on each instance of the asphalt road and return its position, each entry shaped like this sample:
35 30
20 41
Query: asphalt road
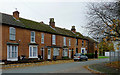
75 67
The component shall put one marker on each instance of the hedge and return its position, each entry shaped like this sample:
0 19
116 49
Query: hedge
90 55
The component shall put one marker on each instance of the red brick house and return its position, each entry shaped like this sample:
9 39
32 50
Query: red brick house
36 40
93 46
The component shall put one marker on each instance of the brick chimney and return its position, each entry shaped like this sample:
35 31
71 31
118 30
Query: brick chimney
73 29
16 15
52 23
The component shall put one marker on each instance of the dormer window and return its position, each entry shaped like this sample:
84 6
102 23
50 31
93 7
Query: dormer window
32 37
12 32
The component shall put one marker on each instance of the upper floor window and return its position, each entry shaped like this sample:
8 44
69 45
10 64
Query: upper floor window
12 33
86 43
82 42
76 41
69 42
53 39
32 37
96 45
42 38
64 41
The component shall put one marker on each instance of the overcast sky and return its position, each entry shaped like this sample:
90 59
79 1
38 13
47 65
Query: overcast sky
65 12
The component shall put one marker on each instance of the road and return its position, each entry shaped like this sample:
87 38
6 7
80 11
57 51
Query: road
74 67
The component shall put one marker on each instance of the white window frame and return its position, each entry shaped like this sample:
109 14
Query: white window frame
69 42
12 33
65 52
32 37
42 38
9 53
56 52
82 42
32 51
53 39
83 49
64 41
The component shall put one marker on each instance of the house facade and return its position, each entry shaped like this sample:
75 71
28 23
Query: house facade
93 47
35 40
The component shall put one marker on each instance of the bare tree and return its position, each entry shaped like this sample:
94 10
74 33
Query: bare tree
104 20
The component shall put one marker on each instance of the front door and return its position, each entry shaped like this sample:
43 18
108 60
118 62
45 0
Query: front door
49 53
69 53
83 50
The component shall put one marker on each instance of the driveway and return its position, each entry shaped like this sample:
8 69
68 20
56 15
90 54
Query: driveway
74 67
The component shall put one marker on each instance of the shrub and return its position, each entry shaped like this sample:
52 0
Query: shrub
64 58
90 55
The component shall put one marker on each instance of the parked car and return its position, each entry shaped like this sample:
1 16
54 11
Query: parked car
80 56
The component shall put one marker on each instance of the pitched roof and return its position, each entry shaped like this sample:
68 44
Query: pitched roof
29 24
90 39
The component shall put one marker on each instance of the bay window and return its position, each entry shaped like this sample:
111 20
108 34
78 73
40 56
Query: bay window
65 52
55 51
12 53
33 52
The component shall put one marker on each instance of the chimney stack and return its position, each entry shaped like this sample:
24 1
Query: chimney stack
52 23
73 29
16 15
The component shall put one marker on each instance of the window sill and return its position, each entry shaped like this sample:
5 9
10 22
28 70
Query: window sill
12 59
33 57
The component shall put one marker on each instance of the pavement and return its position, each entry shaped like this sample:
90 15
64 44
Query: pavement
73 67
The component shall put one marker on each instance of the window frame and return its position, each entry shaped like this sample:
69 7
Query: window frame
31 56
82 43
54 39
42 38
64 41
12 49
12 33
65 52
76 41
32 37
69 42
57 50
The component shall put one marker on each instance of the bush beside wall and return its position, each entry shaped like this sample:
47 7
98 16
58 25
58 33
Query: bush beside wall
90 55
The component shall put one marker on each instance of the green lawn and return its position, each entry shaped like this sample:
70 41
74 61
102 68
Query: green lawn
100 57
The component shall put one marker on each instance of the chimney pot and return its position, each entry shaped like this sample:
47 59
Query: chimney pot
52 23
73 29
16 15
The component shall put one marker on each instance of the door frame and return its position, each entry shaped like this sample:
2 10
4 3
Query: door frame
82 49
70 53
50 53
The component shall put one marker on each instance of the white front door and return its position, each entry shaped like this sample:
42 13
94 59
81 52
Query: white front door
49 53
83 50
69 53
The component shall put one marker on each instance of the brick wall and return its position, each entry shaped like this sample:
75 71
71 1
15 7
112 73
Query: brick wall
23 38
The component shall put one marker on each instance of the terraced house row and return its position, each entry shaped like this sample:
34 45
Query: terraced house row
36 40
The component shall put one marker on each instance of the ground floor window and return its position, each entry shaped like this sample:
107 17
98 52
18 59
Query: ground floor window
12 53
65 52
55 51
33 52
